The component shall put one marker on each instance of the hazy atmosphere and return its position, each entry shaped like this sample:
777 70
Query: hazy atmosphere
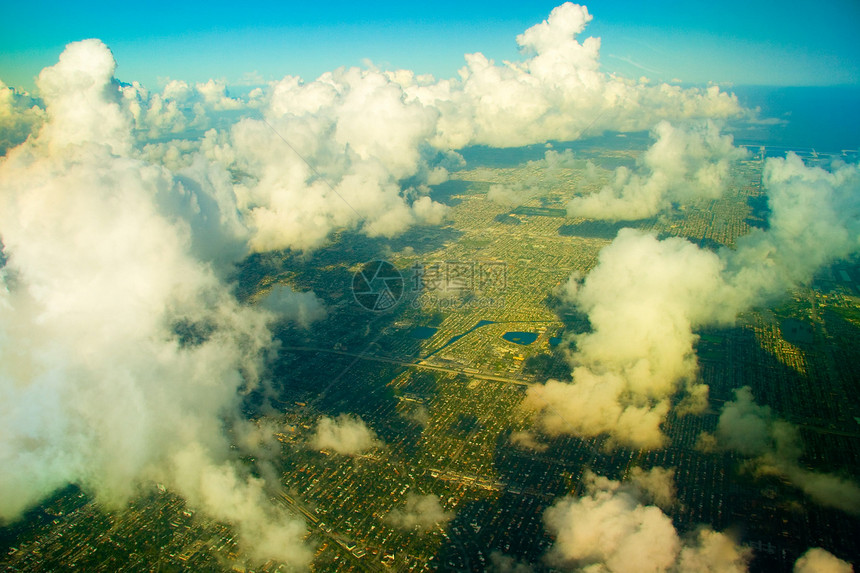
486 287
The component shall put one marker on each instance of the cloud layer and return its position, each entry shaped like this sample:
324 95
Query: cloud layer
817 560
611 528
556 92
642 301
123 353
346 434
356 148
614 527
123 350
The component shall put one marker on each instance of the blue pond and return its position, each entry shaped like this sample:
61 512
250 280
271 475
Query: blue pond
522 338
554 340
459 336
423 332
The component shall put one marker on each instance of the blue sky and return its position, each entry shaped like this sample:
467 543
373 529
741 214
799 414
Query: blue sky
730 42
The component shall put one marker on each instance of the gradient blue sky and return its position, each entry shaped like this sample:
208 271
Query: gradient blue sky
729 42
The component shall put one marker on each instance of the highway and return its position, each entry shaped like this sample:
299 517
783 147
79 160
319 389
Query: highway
420 365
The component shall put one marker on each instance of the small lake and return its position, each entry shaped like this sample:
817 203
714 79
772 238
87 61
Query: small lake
521 338
423 332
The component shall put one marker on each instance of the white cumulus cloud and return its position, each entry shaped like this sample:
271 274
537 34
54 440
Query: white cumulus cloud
646 296
817 560
610 528
346 434
682 164
556 92
421 512
19 116
122 353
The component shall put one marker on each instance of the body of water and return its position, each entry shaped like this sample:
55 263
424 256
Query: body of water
521 338
826 119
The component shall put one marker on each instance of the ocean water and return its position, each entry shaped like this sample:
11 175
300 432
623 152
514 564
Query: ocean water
823 119
826 119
